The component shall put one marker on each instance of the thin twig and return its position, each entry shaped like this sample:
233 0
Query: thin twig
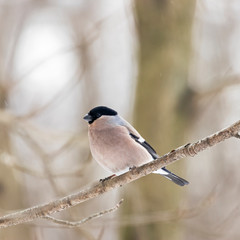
85 220
84 195
160 216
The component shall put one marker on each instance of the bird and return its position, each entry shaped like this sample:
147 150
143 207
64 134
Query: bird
117 146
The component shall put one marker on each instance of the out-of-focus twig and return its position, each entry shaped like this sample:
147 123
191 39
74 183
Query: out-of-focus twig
224 83
91 192
165 216
12 162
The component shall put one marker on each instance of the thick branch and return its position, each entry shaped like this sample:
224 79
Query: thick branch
60 204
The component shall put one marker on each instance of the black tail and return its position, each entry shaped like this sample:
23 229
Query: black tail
171 176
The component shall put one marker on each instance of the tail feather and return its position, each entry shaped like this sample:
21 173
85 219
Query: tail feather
171 176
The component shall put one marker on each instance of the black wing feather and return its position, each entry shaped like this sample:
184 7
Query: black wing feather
171 176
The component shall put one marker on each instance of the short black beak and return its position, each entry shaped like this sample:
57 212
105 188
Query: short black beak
88 118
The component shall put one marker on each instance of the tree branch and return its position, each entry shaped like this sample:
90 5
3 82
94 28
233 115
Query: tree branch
61 204
87 219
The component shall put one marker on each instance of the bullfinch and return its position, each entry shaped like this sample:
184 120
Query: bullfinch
117 146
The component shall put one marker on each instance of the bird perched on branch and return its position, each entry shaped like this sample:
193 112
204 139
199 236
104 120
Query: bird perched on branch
117 146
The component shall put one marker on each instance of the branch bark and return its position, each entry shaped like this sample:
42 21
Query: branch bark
63 203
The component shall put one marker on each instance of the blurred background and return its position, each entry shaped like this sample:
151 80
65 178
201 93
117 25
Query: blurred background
170 67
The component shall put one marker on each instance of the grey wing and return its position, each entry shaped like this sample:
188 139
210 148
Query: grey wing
134 134
163 171
146 145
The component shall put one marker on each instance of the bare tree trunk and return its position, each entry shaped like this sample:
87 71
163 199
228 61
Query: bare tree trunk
164 34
